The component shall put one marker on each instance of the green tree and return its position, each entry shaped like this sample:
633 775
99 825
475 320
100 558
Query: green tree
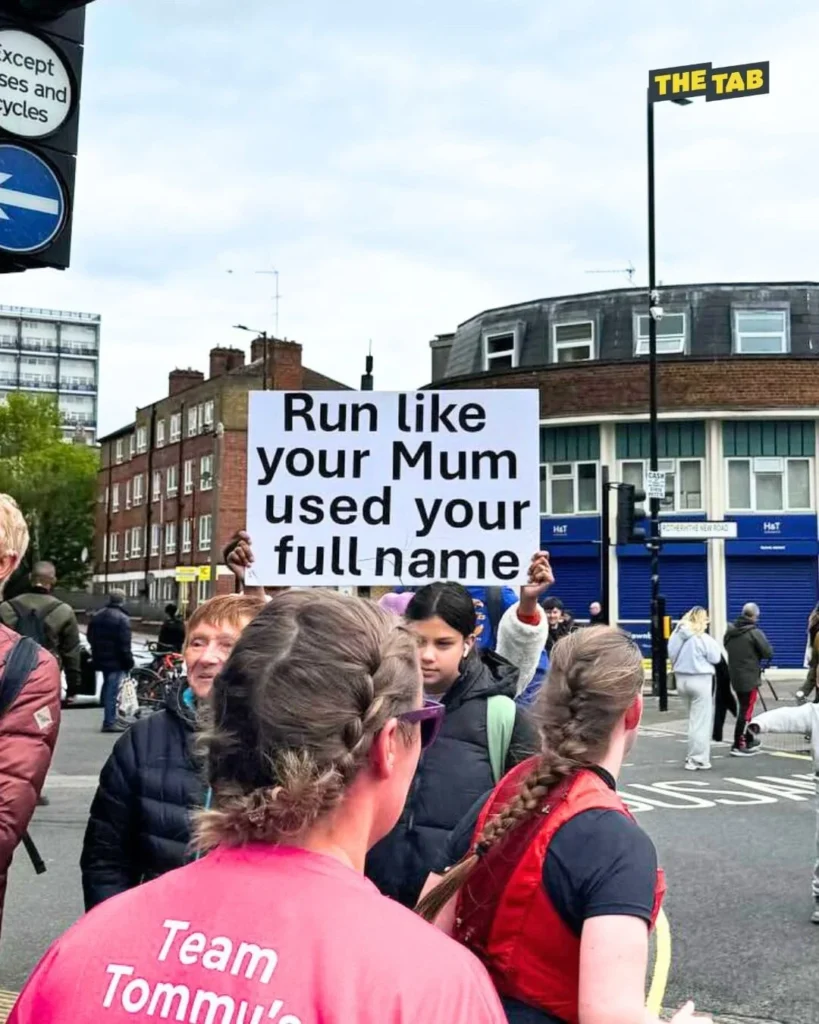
53 482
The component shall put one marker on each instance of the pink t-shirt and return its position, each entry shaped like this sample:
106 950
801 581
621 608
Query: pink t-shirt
257 935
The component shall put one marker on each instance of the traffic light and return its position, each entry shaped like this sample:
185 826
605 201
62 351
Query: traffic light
629 515
41 54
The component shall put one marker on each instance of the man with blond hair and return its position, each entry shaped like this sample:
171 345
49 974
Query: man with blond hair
29 706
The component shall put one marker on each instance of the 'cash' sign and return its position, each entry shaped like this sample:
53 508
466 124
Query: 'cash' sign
385 488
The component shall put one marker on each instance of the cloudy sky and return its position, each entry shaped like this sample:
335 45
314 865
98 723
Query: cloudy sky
404 166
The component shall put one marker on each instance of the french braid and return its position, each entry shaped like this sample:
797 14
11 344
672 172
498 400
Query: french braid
594 677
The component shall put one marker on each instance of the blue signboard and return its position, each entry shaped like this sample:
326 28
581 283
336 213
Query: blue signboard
774 534
569 529
775 526
32 201
580 534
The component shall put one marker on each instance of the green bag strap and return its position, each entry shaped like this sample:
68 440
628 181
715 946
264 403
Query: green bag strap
500 724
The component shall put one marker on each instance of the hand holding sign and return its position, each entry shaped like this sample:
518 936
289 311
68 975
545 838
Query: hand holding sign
541 578
238 555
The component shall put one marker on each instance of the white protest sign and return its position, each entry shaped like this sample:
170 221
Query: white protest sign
349 488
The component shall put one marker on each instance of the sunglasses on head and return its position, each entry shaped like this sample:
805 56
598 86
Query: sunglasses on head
429 717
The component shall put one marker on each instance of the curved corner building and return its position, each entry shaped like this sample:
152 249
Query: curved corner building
739 406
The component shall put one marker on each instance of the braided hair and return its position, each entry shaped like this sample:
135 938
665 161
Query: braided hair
594 677
293 714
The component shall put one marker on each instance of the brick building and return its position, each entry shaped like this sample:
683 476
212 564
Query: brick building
171 486
739 410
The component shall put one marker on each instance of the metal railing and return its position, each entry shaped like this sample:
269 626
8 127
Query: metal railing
29 345
76 349
30 312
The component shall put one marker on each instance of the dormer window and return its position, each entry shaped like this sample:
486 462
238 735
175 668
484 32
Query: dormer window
573 342
501 348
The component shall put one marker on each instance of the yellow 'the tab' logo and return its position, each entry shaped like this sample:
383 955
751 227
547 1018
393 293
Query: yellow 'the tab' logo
694 80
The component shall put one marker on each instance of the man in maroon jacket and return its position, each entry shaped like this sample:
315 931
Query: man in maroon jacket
29 726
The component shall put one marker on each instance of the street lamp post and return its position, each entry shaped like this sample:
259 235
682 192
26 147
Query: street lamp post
680 85
653 428
659 681
263 336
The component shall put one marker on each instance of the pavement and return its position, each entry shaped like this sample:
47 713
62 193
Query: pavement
737 845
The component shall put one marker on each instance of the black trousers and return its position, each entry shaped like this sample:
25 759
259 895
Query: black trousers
747 703
810 682
724 701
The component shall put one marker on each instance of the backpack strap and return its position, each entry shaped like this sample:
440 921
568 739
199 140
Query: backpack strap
18 667
500 724
42 612
494 608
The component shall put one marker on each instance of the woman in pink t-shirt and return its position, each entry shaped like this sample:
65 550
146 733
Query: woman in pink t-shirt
318 724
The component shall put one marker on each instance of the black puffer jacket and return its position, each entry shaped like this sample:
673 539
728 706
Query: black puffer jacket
140 817
451 776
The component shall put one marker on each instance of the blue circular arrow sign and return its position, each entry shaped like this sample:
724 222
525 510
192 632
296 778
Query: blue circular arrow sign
32 201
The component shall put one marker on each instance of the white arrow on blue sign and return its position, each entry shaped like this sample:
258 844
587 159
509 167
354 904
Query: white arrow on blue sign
32 201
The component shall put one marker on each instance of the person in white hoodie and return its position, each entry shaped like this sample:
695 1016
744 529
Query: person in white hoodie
804 721
694 656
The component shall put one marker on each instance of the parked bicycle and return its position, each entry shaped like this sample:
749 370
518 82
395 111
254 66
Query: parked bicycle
153 682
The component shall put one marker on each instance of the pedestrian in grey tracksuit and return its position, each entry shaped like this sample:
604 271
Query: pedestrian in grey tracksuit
694 656
803 720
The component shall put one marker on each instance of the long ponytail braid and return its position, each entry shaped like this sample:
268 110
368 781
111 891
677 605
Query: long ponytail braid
594 676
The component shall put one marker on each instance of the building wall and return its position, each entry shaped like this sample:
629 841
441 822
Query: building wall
224 439
578 390
718 402
767 540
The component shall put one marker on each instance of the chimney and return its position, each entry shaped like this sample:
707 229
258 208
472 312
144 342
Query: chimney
441 346
223 360
257 350
367 376
236 359
181 380
284 369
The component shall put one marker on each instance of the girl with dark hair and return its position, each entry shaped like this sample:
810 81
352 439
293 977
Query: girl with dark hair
554 885
318 721
483 734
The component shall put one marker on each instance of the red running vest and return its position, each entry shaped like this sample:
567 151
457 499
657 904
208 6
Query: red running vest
504 914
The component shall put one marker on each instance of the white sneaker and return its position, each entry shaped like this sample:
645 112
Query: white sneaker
695 766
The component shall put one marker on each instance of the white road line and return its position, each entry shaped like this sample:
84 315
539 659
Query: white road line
56 780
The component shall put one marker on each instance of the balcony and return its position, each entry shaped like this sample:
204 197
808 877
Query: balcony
8 341
8 378
75 419
75 350
38 383
78 384
38 345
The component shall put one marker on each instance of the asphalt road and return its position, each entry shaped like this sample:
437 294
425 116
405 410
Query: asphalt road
737 844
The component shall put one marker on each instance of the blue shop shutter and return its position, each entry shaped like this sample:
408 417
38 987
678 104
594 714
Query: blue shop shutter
683 583
785 590
577 582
